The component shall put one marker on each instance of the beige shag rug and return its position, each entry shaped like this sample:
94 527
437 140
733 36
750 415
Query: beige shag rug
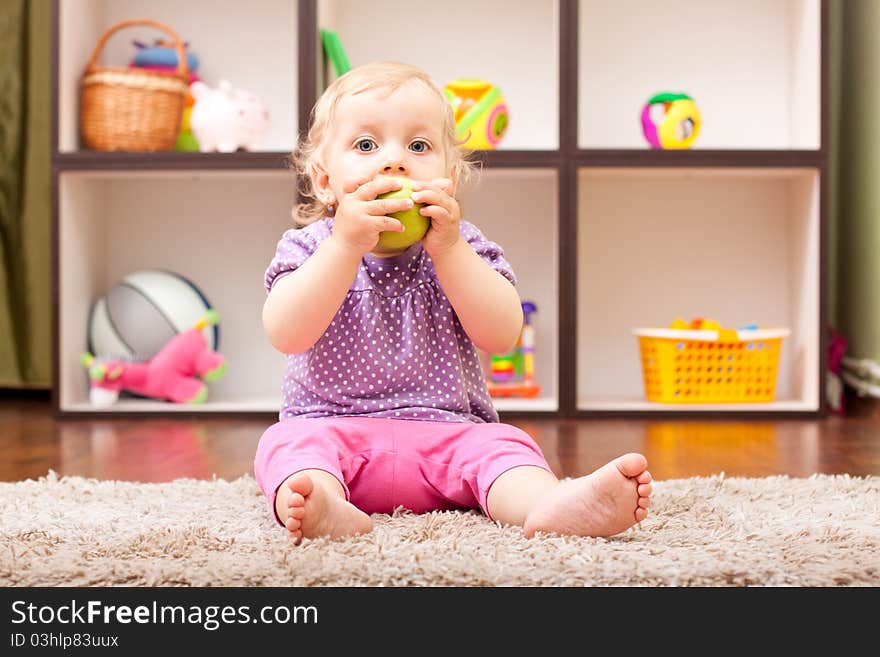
710 531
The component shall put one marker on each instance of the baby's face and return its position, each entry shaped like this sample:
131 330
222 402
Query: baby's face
376 133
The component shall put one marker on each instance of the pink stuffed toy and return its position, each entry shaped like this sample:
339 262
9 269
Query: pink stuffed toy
177 373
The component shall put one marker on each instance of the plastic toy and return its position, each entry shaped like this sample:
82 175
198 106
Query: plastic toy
186 140
480 111
226 118
142 311
178 373
513 374
702 361
696 324
679 125
335 52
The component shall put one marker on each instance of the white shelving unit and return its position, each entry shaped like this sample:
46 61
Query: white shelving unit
604 234
731 229
752 66
738 246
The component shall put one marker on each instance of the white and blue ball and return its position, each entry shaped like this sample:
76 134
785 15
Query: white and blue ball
142 312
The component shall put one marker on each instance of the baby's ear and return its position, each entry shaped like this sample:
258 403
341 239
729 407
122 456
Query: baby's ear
321 183
454 176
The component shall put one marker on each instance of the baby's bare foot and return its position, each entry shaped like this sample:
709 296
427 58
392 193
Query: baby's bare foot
603 503
312 511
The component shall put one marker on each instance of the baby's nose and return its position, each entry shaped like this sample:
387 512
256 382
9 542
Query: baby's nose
395 167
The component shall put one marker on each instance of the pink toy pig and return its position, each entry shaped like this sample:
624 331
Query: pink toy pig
226 119
177 373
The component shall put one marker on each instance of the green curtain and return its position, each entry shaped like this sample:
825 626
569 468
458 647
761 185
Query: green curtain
25 203
854 203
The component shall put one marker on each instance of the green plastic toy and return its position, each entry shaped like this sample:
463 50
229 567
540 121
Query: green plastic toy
335 52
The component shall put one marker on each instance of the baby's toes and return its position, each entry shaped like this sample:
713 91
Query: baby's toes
645 490
293 524
644 502
296 500
641 514
298 512
645 478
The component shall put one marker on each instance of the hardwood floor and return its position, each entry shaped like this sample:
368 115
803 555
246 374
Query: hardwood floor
32 442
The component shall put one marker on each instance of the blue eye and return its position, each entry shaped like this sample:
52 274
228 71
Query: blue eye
419 147
365 145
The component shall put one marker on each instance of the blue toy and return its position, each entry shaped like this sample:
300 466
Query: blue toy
161 54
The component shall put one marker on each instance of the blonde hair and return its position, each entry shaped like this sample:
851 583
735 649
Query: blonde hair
377 75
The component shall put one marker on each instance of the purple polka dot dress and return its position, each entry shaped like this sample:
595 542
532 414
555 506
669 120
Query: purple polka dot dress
395 348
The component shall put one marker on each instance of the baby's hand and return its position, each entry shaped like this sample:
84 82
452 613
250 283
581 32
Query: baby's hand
360 216
442 208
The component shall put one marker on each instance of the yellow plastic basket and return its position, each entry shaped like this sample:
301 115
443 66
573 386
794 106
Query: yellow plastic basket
683 366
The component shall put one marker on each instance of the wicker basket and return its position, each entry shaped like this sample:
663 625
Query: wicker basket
132 109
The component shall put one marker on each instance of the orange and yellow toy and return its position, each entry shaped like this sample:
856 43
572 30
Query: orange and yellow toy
481 115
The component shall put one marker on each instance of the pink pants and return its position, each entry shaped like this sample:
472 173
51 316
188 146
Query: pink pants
384 463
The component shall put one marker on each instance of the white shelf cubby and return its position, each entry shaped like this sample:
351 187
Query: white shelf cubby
740 246
752 66
513 46
253 45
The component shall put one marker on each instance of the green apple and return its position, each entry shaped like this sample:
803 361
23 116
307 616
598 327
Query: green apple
415 225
